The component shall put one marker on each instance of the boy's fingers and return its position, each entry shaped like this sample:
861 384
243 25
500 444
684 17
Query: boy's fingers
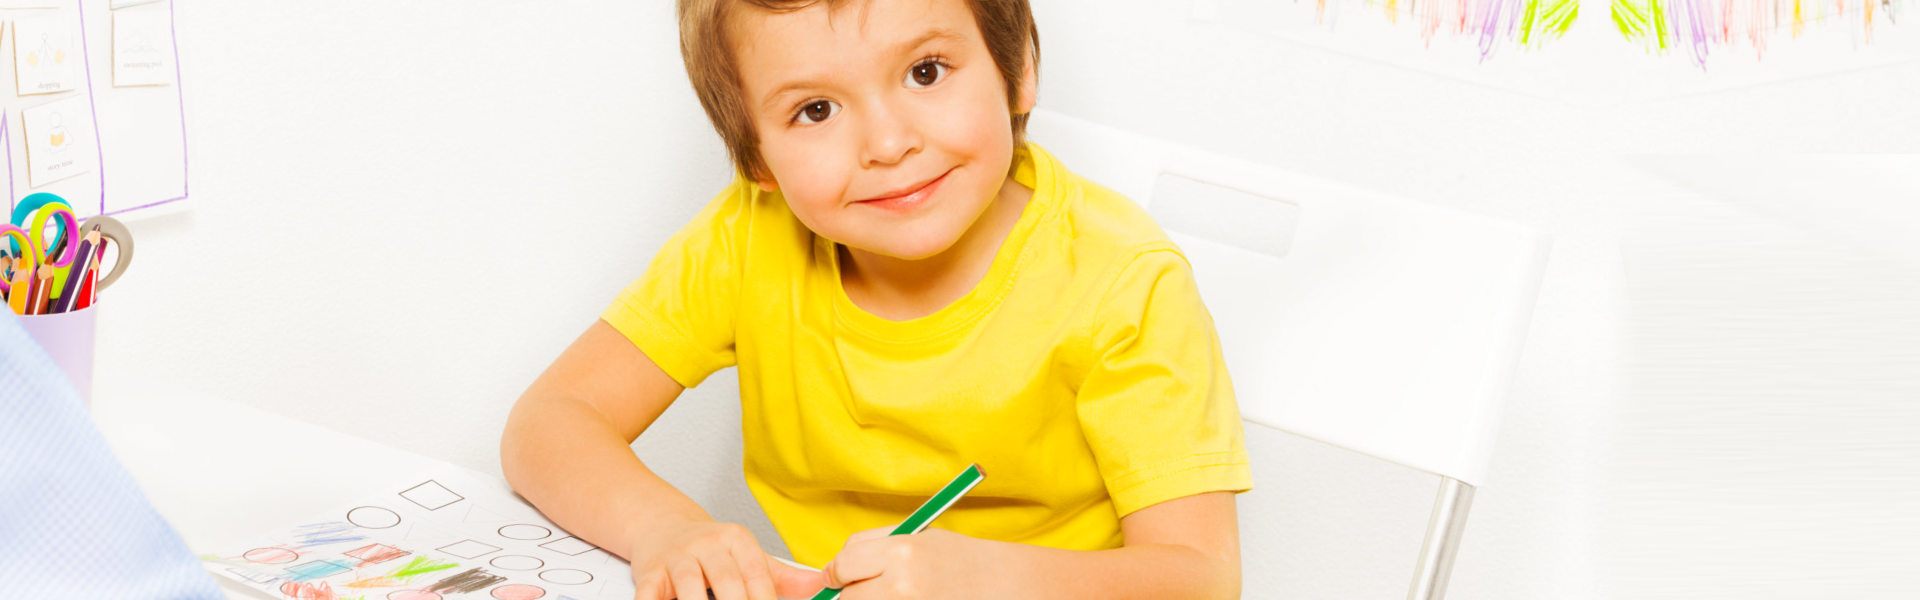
723 576
790 582
855 563
753 571
688 583
869 535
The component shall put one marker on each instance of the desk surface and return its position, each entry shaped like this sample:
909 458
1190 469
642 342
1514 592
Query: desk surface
223 473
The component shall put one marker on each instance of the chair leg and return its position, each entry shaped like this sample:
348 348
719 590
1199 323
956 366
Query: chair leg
1444 527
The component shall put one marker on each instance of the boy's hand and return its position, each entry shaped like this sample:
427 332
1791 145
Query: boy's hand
932 564
684 559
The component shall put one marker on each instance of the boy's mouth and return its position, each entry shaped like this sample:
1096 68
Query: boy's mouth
903 199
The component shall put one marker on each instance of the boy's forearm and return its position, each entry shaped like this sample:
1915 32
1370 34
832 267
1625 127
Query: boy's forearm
1159 572
571 463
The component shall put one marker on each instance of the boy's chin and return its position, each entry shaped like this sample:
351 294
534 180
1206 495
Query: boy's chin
909 247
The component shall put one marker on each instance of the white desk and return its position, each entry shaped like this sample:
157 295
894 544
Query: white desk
223 473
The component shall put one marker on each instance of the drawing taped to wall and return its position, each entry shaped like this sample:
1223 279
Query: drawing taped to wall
142 48
59 140
43 56
443 535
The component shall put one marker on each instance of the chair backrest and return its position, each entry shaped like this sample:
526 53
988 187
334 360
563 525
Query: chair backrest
1378 324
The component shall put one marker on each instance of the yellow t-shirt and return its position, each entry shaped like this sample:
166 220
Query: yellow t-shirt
1082 374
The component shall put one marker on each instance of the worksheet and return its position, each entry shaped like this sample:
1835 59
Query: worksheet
443 534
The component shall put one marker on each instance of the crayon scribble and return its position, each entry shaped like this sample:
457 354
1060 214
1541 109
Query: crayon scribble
307 591
1524 23
466 581
329 532
404 574
1698 25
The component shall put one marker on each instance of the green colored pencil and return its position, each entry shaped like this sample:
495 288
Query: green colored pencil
925 515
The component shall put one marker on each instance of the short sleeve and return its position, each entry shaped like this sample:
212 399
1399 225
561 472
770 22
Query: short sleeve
681 311
1156 406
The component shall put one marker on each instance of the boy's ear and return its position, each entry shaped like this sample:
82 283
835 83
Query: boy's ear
1029 85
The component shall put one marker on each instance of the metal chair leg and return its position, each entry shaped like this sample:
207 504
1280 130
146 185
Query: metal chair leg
1444 527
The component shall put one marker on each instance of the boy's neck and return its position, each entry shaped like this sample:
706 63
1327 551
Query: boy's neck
899 290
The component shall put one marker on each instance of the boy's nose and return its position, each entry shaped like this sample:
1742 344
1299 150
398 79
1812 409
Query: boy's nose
890 137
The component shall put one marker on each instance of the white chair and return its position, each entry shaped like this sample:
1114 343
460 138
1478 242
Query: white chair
1377 324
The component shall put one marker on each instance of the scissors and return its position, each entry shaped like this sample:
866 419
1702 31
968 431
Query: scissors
31 249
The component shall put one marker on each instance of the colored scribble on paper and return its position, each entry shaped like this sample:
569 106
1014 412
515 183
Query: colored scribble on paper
434 538
1525 24
1700 25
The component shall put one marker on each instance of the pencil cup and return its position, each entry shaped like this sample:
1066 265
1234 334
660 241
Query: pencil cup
68 338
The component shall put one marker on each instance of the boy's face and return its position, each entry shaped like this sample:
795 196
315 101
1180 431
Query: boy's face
885 125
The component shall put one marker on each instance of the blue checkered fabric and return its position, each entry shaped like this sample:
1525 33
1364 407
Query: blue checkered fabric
73 524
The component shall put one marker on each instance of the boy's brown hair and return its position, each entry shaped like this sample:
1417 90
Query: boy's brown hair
1006 25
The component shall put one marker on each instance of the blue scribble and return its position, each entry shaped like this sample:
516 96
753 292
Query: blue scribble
326 533
318 569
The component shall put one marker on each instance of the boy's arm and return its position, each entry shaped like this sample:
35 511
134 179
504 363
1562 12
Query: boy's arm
567 449
1186 548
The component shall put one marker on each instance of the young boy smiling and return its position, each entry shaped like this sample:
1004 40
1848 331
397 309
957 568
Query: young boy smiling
906 287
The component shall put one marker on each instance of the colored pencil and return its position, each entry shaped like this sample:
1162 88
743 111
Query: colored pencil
86 287
927 512
42 287
22 286
82 261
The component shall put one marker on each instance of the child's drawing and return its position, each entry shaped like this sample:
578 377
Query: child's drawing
440 537
42 62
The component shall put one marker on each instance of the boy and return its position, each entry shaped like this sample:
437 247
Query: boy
906 288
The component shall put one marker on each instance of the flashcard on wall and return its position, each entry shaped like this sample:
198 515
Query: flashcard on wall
440 535
127 3
142 48
44 60
59 140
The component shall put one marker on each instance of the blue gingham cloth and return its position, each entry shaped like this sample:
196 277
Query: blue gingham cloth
73 524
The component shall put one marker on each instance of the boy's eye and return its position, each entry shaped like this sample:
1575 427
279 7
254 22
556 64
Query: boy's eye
817 111
925 74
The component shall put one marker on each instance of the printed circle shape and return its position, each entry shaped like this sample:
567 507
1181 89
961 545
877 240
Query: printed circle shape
518 591
373 517
524 532
271 556
413 595
515 562
566 576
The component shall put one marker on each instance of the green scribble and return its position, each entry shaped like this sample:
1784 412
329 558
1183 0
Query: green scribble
1553 17
420 565
1643 21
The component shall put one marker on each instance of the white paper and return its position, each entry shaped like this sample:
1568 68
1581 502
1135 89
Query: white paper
59 140
142 48
32 3
127 3
44 59
446 533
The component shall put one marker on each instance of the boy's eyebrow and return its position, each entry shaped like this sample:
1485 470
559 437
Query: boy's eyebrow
900 48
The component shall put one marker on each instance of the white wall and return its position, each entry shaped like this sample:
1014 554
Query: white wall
402 211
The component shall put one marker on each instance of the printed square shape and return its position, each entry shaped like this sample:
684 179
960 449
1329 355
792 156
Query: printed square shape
431 495
570 546
142 48
250 575
44 57
59 140
469 549
325 567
